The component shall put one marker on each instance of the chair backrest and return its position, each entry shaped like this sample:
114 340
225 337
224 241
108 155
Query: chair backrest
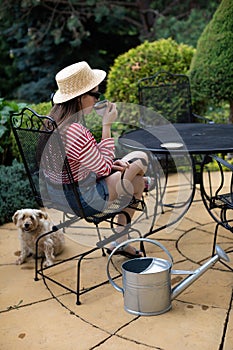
167 94
42 151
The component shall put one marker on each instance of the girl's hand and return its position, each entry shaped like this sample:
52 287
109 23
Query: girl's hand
110 114
120 165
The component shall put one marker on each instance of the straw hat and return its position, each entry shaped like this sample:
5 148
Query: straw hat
76 80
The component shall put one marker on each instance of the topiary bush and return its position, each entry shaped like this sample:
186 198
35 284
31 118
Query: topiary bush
42 108
211 66
8 149
143 61
15 191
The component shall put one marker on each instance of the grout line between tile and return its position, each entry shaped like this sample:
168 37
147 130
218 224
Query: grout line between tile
221 346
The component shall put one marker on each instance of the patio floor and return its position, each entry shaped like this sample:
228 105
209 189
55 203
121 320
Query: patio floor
38 316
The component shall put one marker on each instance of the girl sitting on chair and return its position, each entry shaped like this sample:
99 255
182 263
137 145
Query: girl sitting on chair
92 163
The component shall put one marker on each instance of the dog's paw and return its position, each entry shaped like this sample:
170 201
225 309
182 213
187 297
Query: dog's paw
48 263
20 261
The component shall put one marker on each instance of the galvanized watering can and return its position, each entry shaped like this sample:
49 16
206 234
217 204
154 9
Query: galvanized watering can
147 281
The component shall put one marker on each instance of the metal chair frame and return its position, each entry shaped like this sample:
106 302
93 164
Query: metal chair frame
28 127
219 200
169 96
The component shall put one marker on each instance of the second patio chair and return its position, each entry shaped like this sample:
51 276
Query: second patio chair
169 95
217 194
167 98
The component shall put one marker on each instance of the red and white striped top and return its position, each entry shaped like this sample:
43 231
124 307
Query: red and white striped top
85 155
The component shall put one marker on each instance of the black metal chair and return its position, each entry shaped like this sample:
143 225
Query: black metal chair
168 97
217 195
42 151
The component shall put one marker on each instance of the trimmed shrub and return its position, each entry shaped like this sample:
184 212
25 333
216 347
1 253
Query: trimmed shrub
42 108
143 61
211 66
8 149
15 191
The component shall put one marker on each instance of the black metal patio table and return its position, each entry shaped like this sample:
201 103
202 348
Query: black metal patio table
197 138
188 139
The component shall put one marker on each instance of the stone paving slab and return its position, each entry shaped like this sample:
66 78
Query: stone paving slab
41 318
184 327
46 326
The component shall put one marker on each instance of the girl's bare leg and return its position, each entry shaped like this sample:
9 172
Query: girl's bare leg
134 184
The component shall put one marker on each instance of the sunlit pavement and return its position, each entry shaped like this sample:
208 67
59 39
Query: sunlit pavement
38 316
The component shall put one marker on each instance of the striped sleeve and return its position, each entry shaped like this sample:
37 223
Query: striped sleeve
84 152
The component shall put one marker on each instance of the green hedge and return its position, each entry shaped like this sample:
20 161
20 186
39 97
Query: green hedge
8 148
15 191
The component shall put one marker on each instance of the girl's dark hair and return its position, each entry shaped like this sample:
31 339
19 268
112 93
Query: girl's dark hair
58 112
65 109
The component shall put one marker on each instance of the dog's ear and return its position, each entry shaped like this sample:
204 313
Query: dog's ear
41 214
15 217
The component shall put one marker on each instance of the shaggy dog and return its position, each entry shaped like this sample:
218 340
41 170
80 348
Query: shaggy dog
31 224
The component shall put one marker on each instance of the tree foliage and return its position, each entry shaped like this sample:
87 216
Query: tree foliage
183 28
39 37
211 67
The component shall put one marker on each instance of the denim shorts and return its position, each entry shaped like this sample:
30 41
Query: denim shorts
93 195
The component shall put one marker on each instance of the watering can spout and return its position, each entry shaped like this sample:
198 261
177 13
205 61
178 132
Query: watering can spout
193 276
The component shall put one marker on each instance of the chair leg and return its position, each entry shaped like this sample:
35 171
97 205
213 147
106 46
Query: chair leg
214 245
79 274
142 248
215 238
36 262
36 267
100 238
78 281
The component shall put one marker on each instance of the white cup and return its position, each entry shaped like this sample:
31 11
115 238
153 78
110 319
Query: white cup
100 107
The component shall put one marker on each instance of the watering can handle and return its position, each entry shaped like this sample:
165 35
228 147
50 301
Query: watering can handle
118 288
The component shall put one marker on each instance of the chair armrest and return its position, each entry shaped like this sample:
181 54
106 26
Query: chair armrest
207 120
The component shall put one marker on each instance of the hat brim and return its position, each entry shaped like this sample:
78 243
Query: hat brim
99 76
